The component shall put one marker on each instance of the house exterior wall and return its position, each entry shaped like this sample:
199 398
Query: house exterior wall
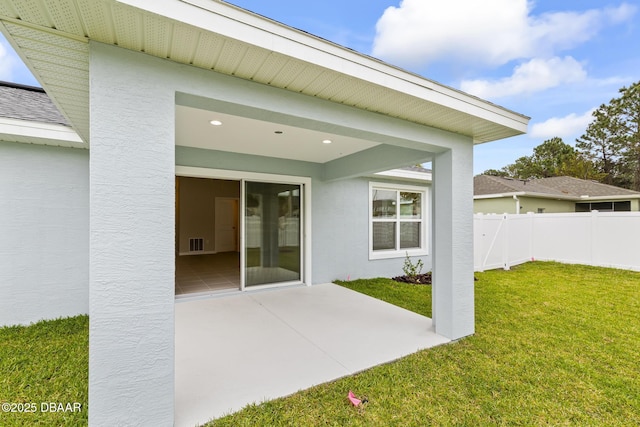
44 227
497 205
341 231
132 176
500 205
452 242
532 204
132 241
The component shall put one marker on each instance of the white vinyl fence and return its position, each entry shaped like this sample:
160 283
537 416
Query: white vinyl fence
605 239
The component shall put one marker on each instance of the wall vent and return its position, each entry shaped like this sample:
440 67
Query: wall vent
196 245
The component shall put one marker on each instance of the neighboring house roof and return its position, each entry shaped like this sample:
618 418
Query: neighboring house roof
561 187
409 173
218 36
418 169
28 103
28 115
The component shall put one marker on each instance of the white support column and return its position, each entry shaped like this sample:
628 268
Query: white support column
131 262
453 286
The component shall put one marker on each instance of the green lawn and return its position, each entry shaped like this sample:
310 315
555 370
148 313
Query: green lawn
45 363
555 345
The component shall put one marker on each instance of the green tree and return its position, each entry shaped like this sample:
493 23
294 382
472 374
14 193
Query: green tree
551 158
612 139
495 172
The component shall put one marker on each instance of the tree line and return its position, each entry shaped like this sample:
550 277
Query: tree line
608 151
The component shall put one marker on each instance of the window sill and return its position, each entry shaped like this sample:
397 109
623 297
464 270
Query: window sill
397 254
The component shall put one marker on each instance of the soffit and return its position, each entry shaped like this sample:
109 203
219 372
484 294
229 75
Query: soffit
52 37
257 137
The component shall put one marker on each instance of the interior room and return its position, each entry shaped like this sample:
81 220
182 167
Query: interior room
207 235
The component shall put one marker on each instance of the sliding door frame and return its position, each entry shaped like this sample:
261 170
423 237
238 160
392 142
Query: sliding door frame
243 177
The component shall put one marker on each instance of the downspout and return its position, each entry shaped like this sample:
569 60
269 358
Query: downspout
517 204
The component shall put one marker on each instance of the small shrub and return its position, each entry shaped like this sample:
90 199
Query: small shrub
410 269
413 273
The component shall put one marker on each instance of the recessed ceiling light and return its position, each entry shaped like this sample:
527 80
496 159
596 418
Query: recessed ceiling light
327 141
216 122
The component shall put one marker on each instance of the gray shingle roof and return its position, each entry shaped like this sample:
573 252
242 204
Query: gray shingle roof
28 103
582 187
416 169
562 186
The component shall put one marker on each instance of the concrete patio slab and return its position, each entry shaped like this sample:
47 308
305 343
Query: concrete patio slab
255 346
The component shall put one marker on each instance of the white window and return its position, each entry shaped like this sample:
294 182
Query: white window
397 220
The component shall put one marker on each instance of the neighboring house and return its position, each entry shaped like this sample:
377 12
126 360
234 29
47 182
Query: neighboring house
166 92
494 194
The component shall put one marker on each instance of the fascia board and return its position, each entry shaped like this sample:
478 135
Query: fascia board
525 194
607 198
236 23
405 174
40 133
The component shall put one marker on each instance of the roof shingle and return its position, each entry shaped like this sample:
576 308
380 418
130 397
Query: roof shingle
563 186
28 103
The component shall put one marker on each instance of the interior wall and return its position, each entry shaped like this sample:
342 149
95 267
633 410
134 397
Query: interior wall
197 206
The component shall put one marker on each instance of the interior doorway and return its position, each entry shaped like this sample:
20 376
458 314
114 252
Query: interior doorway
207 235
227 224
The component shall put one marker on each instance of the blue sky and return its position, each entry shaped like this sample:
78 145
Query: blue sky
554 61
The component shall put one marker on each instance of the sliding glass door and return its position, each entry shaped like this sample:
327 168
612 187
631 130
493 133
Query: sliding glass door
272 233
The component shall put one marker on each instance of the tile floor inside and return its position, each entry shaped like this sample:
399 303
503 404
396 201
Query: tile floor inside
212 273
207 273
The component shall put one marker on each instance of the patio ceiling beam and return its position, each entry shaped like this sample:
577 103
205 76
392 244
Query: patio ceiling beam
380 158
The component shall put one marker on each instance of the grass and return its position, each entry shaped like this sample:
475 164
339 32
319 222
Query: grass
555 345
416 298
43 363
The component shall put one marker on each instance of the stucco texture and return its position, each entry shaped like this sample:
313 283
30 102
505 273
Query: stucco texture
44 227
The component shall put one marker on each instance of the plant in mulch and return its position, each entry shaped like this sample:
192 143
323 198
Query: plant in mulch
418 279
412 273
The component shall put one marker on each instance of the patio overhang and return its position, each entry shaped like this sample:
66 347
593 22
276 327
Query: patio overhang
53 40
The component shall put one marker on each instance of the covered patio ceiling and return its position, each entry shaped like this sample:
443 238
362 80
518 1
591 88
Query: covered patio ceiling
53 39
263 138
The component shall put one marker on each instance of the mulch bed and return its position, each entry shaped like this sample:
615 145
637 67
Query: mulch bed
418 279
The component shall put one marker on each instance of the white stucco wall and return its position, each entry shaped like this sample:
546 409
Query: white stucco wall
341 233
453 283
132 175
131 264
44 230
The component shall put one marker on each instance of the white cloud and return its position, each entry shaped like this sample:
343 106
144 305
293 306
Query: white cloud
490 32
564 127
6 64
533 76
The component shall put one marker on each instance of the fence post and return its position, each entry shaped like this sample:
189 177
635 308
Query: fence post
593 238
531 235
506 262
478 235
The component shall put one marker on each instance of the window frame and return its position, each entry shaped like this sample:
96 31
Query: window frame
425 214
